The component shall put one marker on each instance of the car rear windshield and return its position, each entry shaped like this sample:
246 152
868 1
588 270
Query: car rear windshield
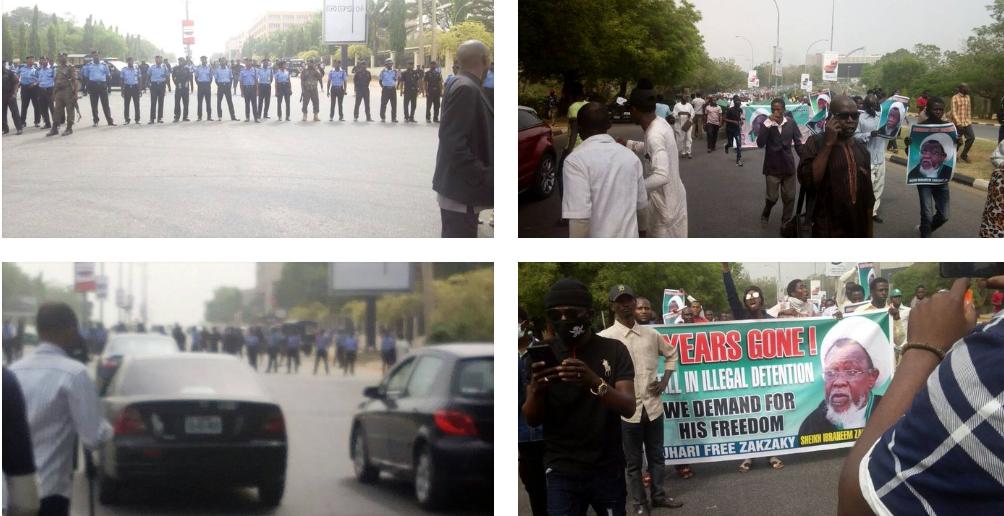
475 378
528 120
169 377
142 345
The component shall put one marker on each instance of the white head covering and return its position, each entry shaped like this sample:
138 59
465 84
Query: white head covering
946 143
869 334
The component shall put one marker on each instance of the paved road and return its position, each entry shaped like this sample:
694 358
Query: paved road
224 179
725 201
320 479
807 486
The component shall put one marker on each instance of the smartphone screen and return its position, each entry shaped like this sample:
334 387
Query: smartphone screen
970 270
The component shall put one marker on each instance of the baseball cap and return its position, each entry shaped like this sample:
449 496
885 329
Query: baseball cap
896 293
619 290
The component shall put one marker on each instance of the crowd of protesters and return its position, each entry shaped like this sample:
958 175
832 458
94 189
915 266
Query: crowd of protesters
591 427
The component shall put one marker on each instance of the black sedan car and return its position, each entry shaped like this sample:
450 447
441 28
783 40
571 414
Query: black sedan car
430 420
194 417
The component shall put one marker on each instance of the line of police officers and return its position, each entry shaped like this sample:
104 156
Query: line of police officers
56 88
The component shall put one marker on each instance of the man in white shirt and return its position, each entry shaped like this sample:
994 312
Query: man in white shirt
683 112
868 134
698 104
644 429
61 403
603 183
666 216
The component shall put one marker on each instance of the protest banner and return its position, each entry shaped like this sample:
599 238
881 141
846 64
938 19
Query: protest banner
673 301
892 117
837 269
756 114
752 81
820 102
850 308
866 273
831 64
759 388
805 82
932 154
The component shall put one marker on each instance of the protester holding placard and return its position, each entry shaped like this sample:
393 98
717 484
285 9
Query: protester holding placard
778 134
868 134
879 289
933 170
643 431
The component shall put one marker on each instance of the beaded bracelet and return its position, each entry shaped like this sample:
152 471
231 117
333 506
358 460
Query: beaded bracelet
932 349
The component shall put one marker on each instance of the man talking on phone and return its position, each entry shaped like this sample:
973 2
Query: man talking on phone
580 402
644 429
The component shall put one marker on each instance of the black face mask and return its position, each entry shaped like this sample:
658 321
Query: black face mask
572 332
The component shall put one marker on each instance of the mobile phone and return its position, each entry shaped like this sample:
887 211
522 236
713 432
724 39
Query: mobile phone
970 270
542 353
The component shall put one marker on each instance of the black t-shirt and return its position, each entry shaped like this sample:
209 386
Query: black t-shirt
411 78
582 434
18 457
734 113
362 78
433 80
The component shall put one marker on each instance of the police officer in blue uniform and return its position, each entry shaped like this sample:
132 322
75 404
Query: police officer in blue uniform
157 81
388 90
204 86
96 75
489 84
46 81
27 75
131 76
283 89
224 79
337 81
249 90
265 74
182 77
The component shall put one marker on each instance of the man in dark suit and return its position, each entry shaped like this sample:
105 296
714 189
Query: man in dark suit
932 159
464 178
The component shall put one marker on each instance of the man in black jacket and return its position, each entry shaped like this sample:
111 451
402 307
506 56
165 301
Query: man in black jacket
464 178
777 134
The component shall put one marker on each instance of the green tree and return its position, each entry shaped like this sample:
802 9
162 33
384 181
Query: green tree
984 54
460 11
302 283
34 43
897 70
22 40
622 40
926 274
88 40
9 52
225 305
398 14
468 30
51 37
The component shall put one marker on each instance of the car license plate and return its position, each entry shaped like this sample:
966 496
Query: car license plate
203 425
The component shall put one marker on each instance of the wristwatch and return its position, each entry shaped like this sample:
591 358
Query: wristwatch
601 390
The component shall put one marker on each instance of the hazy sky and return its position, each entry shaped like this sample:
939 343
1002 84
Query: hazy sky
159 21
176 292
859 23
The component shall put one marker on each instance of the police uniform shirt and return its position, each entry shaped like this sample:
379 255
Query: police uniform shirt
130 76
97 72
46 77
203 73
490 80
28 75
264 75
433 80
223 74
337 78
388 78
158 74
182 76
411 78
248 77
282 76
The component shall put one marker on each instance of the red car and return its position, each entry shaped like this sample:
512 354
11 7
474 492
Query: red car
538 161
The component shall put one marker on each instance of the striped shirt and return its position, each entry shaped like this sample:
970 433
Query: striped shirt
946 455
962 110
61 402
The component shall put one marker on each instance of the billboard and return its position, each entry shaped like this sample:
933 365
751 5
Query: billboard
367 279
344 21
831 63
187 32
752 81
83 277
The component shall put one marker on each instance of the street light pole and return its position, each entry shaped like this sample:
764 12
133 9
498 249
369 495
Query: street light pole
807 51
752 58
777 45
833 15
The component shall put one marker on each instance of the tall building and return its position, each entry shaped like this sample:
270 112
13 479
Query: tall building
272 21
266 275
